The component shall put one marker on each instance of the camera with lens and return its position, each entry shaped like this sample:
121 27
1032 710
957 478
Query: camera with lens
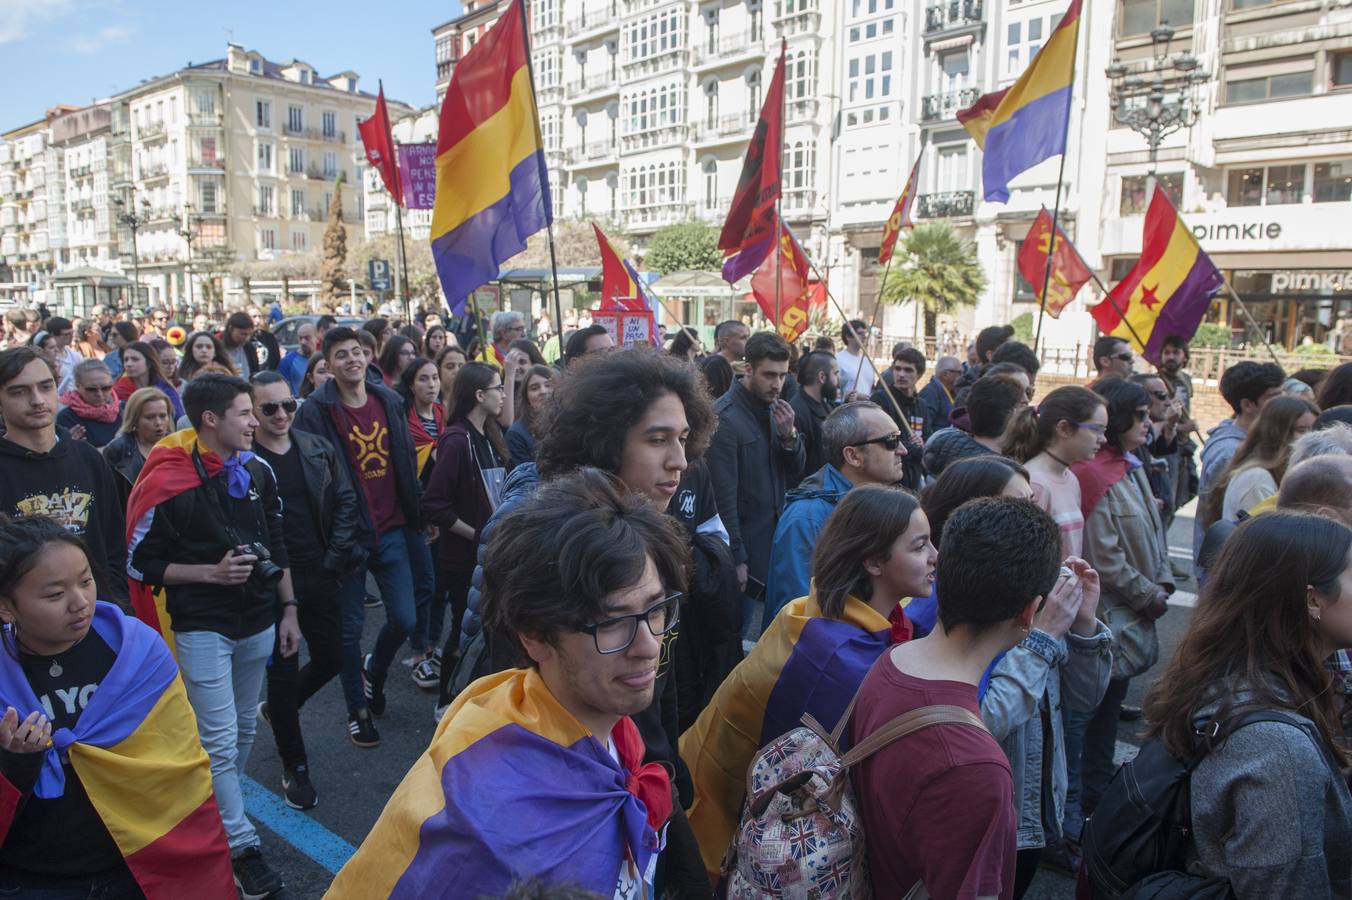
265 571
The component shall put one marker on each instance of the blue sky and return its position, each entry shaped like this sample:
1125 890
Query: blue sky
75 51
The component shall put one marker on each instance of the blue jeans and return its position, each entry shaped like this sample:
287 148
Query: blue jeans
403 572
224 678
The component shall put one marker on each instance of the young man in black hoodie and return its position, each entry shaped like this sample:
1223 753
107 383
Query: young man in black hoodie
45 473
908 364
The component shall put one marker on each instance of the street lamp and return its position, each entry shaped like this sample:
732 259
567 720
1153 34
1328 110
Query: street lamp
1159 100
127 215
189 234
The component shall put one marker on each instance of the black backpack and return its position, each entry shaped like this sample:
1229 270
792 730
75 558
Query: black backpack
1135 844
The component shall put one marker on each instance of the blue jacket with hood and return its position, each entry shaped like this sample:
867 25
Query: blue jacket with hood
806 509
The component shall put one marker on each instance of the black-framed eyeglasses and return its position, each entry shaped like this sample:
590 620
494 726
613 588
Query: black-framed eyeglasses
614 635
270 409
889 441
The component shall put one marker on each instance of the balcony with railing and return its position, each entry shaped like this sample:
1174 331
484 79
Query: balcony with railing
594 86
151 130
657 63
942 107
796 18
77 172
797 201
597 153
204 120
724 129
198 165
314 173
804 110
727 50
154 171
952 16
655 215
316 134
945 204
654 137
80 204
595 20
714 208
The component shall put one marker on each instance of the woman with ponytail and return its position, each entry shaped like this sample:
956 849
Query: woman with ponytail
1067 427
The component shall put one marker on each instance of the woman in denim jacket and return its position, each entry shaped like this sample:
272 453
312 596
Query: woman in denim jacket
1066 658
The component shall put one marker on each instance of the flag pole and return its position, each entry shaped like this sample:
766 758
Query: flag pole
877 305
779 220
1060 181
400 252
544 181
1243 307
401 258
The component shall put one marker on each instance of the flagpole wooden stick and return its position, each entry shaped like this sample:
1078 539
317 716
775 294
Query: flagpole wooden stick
1252 323
1056 210
544 179
877 305
401 256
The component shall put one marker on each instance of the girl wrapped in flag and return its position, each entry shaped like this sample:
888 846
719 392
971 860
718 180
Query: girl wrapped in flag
873 554
104 785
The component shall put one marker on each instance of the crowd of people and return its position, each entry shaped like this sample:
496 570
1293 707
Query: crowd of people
626 577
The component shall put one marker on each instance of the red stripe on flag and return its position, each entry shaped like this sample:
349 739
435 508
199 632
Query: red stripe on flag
9 806
482 81
191 861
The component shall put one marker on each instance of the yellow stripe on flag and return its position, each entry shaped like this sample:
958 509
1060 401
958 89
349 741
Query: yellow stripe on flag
1050 72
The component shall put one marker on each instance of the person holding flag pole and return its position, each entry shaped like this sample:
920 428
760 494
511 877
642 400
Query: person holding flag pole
1027 122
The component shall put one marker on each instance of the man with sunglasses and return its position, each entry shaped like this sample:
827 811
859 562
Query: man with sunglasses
585 578
863 446
319 520
1113 358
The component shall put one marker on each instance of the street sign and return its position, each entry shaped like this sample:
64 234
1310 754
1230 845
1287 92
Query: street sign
378 275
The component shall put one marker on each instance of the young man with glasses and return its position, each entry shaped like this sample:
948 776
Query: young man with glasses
319 519
586 579
863 446
367 423
92 412
1112 358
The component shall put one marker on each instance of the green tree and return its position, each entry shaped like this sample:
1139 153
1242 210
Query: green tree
1023 328
936 267
689 246
332 277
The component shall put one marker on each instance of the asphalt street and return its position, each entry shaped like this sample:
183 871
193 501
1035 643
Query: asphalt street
308 848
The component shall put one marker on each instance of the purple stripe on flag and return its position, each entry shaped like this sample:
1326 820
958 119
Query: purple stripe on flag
519 805
748 259
821 675
1187 305
1033 133
470 255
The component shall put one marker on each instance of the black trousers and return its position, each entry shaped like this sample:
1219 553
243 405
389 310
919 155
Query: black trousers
457 593
319 612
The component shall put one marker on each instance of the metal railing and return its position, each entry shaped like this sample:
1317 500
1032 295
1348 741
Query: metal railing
937 107
946 204
724 127
656 137
953 14
150 130
655 214
596 83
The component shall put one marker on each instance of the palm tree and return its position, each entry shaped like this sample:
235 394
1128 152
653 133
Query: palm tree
936 267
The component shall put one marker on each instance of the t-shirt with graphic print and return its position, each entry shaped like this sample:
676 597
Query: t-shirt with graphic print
55 841
366 432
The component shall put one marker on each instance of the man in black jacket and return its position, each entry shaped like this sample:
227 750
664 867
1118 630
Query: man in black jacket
237 339
227 601
367 424
44 473
319 517
908 364
756 454
819 383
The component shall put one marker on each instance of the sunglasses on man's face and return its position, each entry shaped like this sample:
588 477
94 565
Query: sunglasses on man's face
270 409
1125 357
889 441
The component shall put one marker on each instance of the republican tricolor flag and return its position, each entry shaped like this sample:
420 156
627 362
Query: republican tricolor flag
1025 123
901 214
621 288
492 182
1169 289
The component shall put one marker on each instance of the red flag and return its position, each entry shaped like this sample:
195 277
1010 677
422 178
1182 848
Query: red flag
379 144
619 286
789 263
901 214
1069 273
749 231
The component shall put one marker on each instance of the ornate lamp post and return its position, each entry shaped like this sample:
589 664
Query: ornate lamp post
1159 100
127 215
189 231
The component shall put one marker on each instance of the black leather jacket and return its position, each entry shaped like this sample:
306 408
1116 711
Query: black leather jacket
333 502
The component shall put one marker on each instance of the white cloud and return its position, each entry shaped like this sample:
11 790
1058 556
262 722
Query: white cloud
89 44
16 16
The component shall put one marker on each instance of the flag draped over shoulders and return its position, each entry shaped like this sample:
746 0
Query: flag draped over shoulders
492 188
804 662
137 754
512 786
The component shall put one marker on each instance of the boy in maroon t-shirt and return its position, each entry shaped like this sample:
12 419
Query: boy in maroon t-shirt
938 805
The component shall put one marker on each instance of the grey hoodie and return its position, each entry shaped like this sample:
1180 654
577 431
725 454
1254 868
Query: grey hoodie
1221 444
1269 814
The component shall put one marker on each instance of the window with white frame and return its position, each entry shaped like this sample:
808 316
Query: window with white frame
753 93
551 129
655 35
297 202
800 75
873 30
297 160
862 8
951 169
549 68
265 158
263 113
330 164
870 77
298 239
657 184
266 200
206 103
295 119
267 239
546 14
444 49
655 107
711 103
798 164
1023 39
206 197
709 170
329 124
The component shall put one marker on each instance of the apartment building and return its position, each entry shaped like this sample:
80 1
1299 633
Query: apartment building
1265 176
234 159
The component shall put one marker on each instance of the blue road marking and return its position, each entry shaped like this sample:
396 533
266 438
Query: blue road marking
297 829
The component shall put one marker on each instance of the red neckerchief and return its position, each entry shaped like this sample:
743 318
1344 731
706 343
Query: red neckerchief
901 628
418 431
106 413
1098 475
649 783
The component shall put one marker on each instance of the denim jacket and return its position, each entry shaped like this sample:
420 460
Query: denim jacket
1038 675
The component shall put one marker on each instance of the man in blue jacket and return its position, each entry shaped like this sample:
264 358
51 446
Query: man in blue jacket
863 446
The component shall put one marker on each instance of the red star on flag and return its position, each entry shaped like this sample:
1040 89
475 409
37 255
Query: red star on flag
1148 298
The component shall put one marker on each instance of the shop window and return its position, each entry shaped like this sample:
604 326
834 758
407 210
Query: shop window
1269 87
1270 186
1245 188
1143 16
1285 184
1134 198
1333 181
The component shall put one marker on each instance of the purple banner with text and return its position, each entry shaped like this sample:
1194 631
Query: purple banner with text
418 170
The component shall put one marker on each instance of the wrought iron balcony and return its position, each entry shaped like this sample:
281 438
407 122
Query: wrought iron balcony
946 204
939 107
952 15
150 130
599 83
727 49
